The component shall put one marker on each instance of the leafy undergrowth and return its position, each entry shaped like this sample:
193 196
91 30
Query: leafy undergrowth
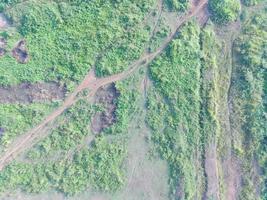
99 166
252 2
16 119
64 38
72 129
174 107
249 102
177 5
224 11
210 47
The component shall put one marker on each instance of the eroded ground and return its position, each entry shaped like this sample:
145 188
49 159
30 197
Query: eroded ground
27 93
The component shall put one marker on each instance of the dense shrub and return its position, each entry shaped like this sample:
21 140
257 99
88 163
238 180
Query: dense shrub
64 40
224 11
177 5
174 108
250 98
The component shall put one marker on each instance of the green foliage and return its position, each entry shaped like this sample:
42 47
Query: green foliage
71 131
177 5
15 119
251 2
100 166
104 164
64 40
210 48
160 34
175 121
250 99
125 107
224 11
6 3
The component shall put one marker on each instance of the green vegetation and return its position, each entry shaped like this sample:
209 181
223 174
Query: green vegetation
250 100
16 119
251 2
71 131
177 5
189 107
125 105
224 11
209 88
100 166
6 3
62 161
174 107
160 34
63 39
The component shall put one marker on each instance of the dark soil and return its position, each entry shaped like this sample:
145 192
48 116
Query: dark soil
2 131
2 46
3 21
106 97
20 52
28 93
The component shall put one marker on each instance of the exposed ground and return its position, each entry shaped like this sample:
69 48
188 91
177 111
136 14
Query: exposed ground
32 93
20 52
230 175
212 174
2 46
105 97
3 21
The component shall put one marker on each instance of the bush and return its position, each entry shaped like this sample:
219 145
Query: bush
224 11
177 5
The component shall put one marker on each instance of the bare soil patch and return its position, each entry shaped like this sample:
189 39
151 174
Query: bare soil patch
2 131
3 21
211 170
28 93
20 52
3 43
203 16
106 97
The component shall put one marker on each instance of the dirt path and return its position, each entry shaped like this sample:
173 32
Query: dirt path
211 170
91 83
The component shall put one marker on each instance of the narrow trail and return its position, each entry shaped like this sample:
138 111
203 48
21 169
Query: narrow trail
91 83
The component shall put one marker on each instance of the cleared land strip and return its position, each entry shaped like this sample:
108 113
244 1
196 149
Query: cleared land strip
91 83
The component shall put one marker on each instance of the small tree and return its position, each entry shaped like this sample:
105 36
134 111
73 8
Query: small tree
224 11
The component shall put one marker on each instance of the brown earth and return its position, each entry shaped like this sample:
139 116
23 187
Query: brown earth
106 97
2 46
3 21
20 52
2 131
212 174
32 93
203 16
91 83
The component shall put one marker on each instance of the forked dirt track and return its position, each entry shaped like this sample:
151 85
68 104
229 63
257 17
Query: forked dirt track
91 83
